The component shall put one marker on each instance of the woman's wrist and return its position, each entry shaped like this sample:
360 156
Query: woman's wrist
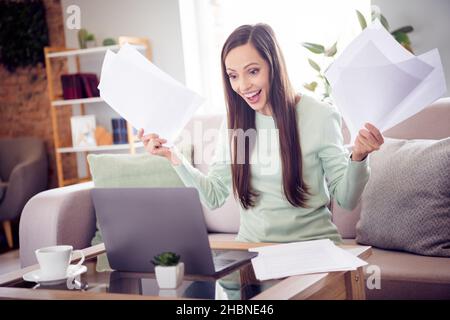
174 160
358 157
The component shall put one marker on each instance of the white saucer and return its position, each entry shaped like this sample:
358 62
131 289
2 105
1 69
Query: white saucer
36 276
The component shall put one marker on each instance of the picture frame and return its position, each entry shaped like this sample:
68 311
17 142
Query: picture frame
83 131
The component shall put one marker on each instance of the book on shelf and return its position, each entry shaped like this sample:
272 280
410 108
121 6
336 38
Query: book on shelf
79 85
71 87
120 132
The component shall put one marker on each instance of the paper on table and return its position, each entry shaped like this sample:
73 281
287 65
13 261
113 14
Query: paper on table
306 257
144 95
376 80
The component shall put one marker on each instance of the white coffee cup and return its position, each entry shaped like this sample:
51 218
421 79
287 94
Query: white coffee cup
54 261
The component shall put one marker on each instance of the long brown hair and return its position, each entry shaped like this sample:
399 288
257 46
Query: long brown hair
281 97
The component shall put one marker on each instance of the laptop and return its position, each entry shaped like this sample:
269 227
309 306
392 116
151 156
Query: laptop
139 223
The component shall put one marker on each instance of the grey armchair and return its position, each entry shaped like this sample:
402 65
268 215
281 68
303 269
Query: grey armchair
23 173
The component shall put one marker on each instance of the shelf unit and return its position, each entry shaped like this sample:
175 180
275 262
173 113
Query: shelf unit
57 102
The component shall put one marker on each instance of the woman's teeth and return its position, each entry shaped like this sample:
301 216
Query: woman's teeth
253 96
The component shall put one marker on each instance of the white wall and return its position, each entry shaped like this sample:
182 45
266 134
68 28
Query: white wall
157 20
431 22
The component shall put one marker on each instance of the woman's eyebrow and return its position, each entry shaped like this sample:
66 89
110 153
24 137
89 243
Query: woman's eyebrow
248 65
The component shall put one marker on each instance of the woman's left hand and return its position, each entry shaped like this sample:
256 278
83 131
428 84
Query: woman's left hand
368 140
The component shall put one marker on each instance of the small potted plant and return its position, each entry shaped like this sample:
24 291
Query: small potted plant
169 271
90 41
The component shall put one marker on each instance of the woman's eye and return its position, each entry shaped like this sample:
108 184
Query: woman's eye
232 76
254 71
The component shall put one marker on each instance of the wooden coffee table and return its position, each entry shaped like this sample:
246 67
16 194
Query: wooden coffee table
239 284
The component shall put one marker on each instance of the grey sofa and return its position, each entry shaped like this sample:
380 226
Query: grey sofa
23 174
66 216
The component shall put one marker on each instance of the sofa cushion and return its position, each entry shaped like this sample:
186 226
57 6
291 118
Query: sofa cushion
203 131
131 171
407 276
406 203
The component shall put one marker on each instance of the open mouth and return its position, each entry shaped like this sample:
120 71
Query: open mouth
253 97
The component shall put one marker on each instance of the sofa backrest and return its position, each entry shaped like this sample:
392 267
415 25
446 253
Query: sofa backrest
431 123
203 133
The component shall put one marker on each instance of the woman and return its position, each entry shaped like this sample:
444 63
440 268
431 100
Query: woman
289 203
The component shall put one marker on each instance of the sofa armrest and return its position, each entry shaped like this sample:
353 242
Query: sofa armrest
54 217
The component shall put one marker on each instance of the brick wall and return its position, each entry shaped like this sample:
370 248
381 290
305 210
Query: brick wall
24 103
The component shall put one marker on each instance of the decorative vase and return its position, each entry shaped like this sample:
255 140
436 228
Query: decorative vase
169 277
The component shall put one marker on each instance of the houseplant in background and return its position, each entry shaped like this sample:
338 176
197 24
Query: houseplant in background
169 271
109 42
90 41
23 33
400 34
86 39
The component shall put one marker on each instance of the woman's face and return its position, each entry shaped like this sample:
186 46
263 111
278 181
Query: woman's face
248 73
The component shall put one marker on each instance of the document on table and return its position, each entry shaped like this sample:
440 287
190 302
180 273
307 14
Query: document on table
376 80
144 95
283 260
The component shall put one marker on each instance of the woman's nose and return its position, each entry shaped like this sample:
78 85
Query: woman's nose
244 84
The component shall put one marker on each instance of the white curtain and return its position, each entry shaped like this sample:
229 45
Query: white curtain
207 23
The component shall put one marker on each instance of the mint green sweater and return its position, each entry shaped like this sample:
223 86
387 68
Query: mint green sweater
327 169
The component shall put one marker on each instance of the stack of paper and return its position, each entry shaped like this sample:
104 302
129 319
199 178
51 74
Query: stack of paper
283 260
376 80
144 95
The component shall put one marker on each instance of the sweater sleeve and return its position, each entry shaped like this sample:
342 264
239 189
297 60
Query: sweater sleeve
215 186
346 178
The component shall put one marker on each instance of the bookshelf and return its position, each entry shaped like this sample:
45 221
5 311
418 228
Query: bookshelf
57 103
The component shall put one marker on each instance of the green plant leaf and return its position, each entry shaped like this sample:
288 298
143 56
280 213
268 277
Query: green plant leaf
314 47
402 38
331 51
405 29
314 65
327 88
361 19
311 86
384 22
82 34
109 42
166 259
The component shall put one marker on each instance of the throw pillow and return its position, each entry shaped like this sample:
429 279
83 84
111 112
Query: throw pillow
131 171
406 203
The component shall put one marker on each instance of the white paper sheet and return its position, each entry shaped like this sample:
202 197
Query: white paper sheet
376 80
144 95
279 261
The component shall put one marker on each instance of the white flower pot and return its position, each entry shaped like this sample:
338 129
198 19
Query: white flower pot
169 277
91 44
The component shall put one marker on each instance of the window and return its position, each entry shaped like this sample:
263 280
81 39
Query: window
207 23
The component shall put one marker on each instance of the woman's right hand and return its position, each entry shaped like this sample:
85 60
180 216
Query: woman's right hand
154 145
